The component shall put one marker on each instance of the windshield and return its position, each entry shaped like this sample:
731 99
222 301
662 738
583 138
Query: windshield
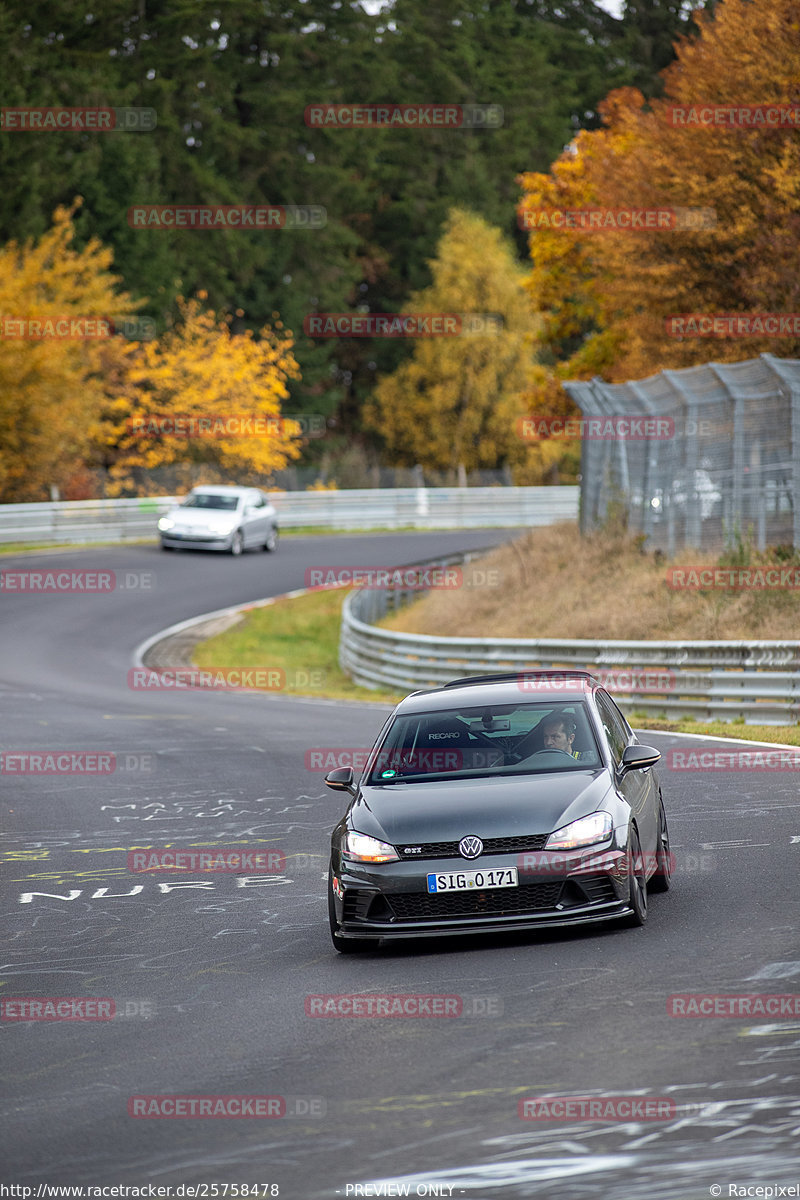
519 739
210 500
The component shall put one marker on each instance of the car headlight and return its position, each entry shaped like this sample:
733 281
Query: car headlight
583 832
361 848
165 523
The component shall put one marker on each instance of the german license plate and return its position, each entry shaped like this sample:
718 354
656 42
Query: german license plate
461 881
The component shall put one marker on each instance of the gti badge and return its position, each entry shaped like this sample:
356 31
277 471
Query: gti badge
412 850
470 847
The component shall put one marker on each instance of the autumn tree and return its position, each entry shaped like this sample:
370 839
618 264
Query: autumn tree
58 306
605 295
200 394
455 403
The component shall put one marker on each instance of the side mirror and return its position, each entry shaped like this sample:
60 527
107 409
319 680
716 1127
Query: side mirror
636 758
341 780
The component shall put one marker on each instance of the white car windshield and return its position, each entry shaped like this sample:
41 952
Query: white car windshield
209 500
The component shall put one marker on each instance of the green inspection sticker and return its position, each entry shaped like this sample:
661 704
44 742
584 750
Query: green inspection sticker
388 774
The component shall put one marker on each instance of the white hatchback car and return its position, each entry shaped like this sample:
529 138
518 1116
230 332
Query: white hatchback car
231 519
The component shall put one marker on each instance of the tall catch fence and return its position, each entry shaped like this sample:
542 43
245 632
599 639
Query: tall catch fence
724 460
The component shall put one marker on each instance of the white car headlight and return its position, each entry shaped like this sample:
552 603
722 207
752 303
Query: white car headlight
586 831
360 848
165 523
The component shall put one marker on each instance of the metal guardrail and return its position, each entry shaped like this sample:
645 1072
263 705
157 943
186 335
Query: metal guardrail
384 508
757 682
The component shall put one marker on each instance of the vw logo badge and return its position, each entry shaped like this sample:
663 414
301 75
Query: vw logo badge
470 847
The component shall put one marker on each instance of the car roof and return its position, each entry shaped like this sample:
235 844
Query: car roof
480 691
223 489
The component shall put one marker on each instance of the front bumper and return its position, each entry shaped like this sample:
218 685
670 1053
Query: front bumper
391 900
196 541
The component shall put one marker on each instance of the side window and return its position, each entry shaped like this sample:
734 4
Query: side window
621 718
613 723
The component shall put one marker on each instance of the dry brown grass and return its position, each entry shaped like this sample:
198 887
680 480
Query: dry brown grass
553 583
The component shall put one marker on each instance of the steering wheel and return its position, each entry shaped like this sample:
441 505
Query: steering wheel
552 750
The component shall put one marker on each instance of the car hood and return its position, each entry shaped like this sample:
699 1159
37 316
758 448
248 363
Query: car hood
506 806
193 518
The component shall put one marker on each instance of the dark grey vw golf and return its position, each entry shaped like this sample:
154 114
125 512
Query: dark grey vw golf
496 803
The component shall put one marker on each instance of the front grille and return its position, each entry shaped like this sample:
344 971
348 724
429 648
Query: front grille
507 845
502 902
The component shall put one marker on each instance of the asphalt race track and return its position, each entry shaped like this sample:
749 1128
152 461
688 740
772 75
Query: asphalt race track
210 975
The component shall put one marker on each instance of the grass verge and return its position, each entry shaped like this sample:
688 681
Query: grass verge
788 735
298 636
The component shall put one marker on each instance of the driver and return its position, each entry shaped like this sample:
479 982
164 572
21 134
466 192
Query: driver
559 734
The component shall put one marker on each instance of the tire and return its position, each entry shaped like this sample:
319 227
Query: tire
638 882
343 945
661 881
271 544
237 543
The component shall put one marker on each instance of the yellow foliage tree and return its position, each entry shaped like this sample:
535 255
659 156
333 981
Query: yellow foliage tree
49 384
456 402
199 370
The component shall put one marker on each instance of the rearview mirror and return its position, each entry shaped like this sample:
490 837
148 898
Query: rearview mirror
636 758
341 780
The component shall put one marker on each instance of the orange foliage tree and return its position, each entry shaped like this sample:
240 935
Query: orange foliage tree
605 294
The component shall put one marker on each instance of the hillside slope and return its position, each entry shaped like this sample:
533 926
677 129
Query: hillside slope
553 583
